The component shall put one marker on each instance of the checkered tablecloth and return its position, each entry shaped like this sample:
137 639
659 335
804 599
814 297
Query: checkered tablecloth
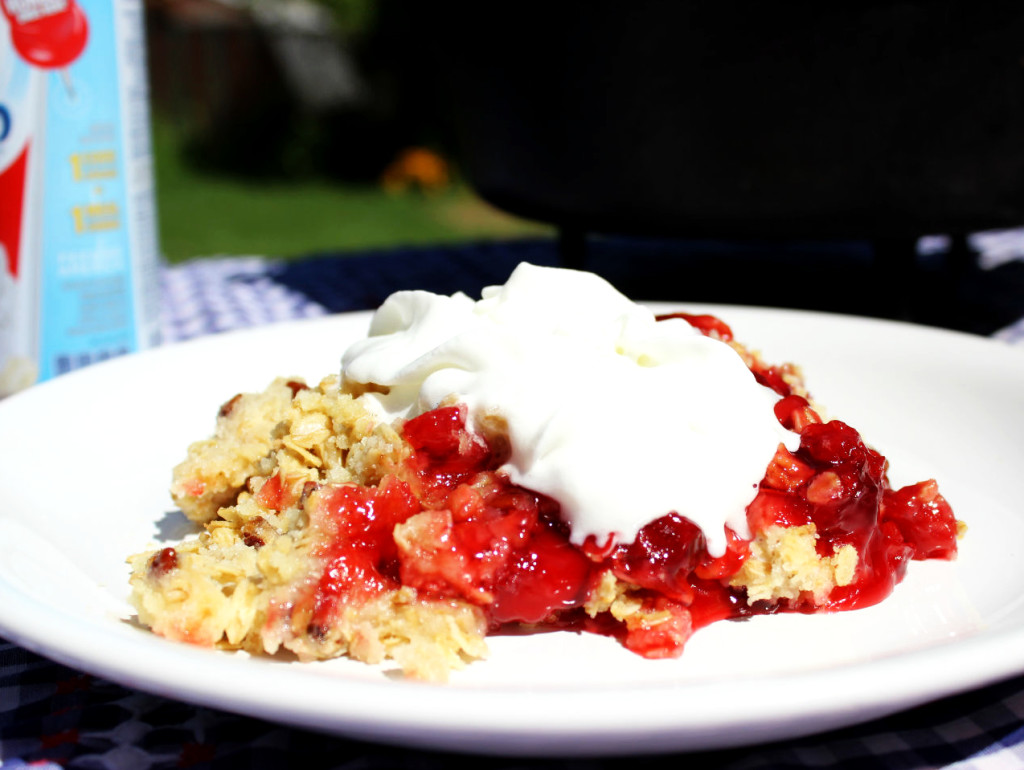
52 716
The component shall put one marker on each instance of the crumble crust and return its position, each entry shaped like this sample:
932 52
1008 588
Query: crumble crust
234 585
784 564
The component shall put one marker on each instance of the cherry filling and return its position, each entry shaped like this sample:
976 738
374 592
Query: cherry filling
487 541
450 525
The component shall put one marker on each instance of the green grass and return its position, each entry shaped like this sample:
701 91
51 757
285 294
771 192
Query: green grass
204 214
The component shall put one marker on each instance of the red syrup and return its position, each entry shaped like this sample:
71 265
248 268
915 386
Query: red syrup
470 534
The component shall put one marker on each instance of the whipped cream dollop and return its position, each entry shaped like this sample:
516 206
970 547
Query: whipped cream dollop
620 418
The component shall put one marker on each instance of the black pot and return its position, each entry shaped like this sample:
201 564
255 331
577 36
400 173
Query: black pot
881 120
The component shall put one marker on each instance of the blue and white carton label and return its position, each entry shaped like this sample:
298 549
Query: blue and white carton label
78 253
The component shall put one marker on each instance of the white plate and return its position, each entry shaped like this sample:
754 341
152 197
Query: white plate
85 462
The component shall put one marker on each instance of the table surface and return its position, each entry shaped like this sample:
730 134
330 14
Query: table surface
53 716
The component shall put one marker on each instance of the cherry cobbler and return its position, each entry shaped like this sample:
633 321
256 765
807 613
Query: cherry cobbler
339 522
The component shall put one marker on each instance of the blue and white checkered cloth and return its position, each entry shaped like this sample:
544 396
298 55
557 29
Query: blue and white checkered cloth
52 716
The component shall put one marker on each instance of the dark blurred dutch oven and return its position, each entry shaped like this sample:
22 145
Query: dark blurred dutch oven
737 119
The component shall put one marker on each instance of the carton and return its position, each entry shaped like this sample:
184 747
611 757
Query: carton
78 250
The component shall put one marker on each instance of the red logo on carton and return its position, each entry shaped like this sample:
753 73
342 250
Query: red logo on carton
47 33
12 189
